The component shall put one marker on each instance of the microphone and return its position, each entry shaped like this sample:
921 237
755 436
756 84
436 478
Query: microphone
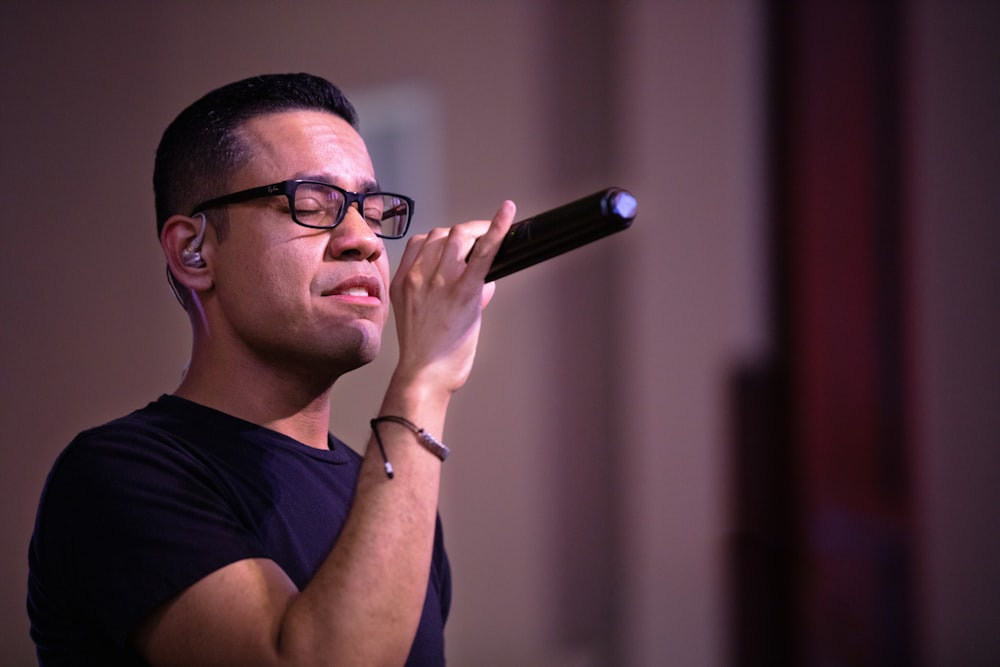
562 229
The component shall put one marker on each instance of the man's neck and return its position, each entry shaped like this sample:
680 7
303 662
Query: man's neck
286 403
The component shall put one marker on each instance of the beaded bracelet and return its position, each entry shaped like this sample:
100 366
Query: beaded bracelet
430 443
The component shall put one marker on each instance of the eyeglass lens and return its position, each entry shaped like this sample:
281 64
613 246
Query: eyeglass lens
318 205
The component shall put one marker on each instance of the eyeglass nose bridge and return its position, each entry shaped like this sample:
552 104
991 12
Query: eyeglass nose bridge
349 199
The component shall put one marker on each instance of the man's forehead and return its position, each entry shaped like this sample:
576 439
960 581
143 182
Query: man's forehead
308 142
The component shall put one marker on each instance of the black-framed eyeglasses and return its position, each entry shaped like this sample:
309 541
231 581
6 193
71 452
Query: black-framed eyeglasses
323 206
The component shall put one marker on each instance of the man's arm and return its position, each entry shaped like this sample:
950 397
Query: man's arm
363 605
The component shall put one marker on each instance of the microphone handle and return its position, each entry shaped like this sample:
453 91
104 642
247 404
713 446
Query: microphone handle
562 229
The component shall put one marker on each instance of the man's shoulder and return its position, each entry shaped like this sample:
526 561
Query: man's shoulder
98 452
147 425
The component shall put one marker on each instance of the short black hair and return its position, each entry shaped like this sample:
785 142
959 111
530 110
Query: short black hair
201 149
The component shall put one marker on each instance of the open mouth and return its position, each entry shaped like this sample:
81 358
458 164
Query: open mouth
359 286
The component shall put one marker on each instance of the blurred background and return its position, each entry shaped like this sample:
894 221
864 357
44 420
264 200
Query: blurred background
758 428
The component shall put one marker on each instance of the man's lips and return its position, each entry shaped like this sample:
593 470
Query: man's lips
356 286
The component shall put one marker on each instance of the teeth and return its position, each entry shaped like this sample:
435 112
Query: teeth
355 291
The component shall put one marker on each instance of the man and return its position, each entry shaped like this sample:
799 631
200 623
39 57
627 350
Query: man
223 524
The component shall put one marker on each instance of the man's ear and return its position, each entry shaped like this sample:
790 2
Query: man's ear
187 251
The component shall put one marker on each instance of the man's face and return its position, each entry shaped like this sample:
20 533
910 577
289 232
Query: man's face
291 295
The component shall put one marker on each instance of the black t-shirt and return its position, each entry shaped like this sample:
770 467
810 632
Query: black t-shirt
137 510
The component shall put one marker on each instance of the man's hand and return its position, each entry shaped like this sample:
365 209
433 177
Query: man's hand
438 299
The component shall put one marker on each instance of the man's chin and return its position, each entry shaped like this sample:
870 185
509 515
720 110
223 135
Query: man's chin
366 345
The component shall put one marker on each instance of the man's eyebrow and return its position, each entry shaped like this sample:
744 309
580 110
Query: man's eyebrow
365 186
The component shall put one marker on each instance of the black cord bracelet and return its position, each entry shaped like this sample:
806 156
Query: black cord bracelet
429 442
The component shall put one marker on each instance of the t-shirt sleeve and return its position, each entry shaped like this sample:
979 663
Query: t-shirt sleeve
130 521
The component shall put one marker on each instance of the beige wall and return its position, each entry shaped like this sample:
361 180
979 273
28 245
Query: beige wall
585 503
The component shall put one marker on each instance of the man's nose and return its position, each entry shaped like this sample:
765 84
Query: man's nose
354 237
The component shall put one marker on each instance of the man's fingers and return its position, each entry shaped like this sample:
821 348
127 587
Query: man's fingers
481 256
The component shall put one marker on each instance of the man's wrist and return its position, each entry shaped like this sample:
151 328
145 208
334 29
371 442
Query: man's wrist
414 398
